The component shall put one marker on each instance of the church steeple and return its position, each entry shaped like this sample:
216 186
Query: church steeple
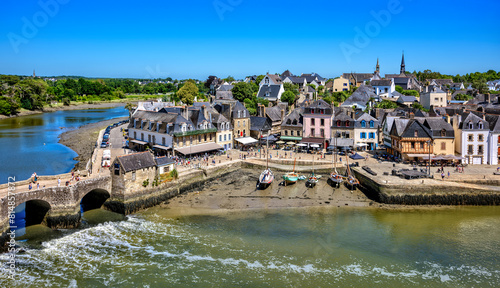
377 68
403 70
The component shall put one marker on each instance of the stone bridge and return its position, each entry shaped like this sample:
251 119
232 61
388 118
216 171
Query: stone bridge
57 207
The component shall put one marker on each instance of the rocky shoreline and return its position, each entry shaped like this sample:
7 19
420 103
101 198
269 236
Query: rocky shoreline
62 108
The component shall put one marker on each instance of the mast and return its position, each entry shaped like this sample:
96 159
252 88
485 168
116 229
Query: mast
267 151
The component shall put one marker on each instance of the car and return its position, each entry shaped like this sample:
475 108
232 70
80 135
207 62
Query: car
104 145
329 152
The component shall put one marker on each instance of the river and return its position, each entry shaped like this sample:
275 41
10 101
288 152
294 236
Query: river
302 247
30 143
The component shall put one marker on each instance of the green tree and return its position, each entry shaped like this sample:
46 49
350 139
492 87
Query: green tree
242 91
188 91
480 85
229 79
292 88
386 104
289 97
419 106
399 89
410 93
259 79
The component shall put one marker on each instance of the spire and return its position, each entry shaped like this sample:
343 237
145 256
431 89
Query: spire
377 68
34 75
402 71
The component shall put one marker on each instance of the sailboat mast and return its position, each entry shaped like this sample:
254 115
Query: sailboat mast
267 151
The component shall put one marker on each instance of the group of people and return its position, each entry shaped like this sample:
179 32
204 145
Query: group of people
34 180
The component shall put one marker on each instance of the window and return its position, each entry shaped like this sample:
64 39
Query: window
480 149
135 135
149 138
244 113
313 122
286 132
363 124
322 122
347 123
422 145
227 125
229 138
470 137
211 137
312 111
443 133
312 132
199 139
322 132
372 124
416 133
347 135
443 145
338 124
205 137
363 135
480 125
470 149
220 138
291 133
480 138
470 125
298 133
239 114
244 123
372 135
133 176
238 124
322 111
142 136
225 137
412 145
163 141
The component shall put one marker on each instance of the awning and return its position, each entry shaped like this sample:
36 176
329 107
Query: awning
246 140
270 138
162 147
361 144
419 155
195 149
139 142
312 140
292 138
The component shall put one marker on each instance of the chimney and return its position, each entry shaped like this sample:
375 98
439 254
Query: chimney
282 114
463 109
186 113
412 115
484 116
448 118
426 89
487 98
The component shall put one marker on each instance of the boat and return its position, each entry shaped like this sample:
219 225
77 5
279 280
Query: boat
267 176
335 178
351 181
302 177
291 177
313 179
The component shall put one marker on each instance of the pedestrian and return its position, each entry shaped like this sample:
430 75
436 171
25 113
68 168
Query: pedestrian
442 176
37 186
29 186
448 174
498 168
59 182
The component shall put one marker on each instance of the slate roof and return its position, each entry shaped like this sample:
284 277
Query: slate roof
436 125
414 125
359 77
296 80
405 99
273 91
398 126
243 111
360 96
260 123
382 82
366 117
274 78
274 113
287 73
294 119
493 122
227 95
343 118
225 87
162 161
136 161
316 106
475 120
310 89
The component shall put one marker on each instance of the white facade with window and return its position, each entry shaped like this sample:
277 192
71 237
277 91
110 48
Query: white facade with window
475 148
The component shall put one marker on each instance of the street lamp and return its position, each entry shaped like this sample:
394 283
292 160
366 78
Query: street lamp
429 144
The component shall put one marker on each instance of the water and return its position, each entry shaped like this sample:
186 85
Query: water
313 247
29 143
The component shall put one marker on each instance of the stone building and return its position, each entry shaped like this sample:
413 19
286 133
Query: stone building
292 126
131 172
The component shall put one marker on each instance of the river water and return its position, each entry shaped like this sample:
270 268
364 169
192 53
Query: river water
306 247
30 143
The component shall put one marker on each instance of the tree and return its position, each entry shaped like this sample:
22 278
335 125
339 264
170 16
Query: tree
242 91
386 104
209 81
229 79
291 87
188 91
259 79
289 97
410 93
130 107
419 106
480 85
399 89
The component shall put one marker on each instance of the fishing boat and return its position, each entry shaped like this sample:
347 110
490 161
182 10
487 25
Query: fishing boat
313 179
291 177
335 178
267 176
351 181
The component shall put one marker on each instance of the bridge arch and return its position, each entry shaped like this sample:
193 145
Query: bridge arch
94 199
29 213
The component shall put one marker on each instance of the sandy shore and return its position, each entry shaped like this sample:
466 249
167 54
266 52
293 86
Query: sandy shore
71 107
82 140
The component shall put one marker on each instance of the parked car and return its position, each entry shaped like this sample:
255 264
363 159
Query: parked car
104 145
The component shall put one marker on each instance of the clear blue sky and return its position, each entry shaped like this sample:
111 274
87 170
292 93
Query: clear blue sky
194 39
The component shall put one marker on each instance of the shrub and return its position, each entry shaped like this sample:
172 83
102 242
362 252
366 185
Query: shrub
174 174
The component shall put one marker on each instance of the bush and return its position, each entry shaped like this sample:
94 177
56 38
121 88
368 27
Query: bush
145 183
66 101
174 174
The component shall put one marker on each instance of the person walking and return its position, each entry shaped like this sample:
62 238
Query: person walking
38 186
442 176
448 174
30 187
59 182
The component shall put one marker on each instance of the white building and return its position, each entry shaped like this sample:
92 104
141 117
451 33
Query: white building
471 138
433 96
383 87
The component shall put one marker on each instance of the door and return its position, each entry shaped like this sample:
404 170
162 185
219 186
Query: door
477 160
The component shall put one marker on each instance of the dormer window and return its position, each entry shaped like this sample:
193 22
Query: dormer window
471 125
416 134
227 125
443 133
363 124
347 123
372 124
338 123
244 113
239 116
480 125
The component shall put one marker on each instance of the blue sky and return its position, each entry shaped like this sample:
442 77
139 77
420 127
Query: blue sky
194 39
